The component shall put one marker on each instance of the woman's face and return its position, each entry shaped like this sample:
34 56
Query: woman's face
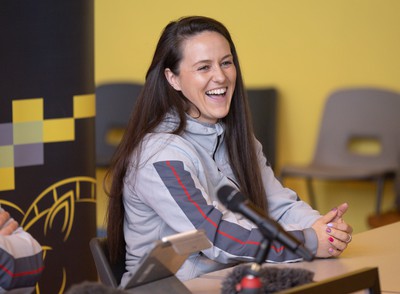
207 76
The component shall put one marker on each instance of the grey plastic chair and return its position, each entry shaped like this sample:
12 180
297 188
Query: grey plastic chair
351 114
114 104
263 104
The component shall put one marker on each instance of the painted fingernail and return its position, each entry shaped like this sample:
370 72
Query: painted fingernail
328 230
331 239
334 209
330 250
330 225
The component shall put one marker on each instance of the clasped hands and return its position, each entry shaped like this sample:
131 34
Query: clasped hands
7 224
333 233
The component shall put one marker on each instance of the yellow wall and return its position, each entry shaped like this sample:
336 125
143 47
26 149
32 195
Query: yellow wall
304 48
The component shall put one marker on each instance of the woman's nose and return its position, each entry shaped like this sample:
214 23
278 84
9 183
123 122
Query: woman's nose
219 75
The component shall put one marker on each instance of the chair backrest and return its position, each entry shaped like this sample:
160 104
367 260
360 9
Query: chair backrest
114 104
109 274
359 114
263 106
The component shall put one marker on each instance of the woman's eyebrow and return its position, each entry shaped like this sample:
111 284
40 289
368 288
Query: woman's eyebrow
209 60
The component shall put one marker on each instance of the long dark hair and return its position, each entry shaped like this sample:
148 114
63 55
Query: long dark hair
157 98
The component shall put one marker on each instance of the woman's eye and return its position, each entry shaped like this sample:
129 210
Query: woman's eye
204 67
227 63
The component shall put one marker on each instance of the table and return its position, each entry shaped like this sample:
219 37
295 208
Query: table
378 247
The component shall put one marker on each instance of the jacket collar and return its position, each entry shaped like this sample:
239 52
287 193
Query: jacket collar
204 134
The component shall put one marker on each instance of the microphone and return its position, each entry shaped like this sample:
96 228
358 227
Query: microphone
273 279
272 230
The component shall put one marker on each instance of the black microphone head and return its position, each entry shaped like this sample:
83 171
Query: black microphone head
230 197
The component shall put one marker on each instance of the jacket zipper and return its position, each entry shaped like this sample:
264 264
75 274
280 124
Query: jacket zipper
213 157
216 147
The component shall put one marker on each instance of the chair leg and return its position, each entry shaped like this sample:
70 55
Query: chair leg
311 194
380 183
397 191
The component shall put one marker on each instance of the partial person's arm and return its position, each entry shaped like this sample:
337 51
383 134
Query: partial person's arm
325 236
21 261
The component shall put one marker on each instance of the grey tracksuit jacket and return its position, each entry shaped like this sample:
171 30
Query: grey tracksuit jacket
174 189
21 262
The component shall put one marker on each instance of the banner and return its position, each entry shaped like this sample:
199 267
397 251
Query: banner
47 119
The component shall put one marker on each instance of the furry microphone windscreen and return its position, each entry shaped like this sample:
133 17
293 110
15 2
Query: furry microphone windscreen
273 279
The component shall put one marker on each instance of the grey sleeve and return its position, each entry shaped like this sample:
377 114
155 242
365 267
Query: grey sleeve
21 261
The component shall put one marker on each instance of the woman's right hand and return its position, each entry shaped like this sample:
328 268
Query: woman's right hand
7 224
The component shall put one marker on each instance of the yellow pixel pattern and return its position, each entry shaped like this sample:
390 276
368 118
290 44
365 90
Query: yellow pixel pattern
21 142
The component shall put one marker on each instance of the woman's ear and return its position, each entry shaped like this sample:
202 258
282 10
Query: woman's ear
172 79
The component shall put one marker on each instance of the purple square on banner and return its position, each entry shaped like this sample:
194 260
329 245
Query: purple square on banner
28 154
6 134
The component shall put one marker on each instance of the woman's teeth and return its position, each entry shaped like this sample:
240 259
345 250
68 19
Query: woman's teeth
216 92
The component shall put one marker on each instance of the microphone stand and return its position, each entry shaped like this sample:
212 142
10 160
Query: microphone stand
251 282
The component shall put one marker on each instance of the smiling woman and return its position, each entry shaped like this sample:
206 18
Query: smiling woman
206 77
190 134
